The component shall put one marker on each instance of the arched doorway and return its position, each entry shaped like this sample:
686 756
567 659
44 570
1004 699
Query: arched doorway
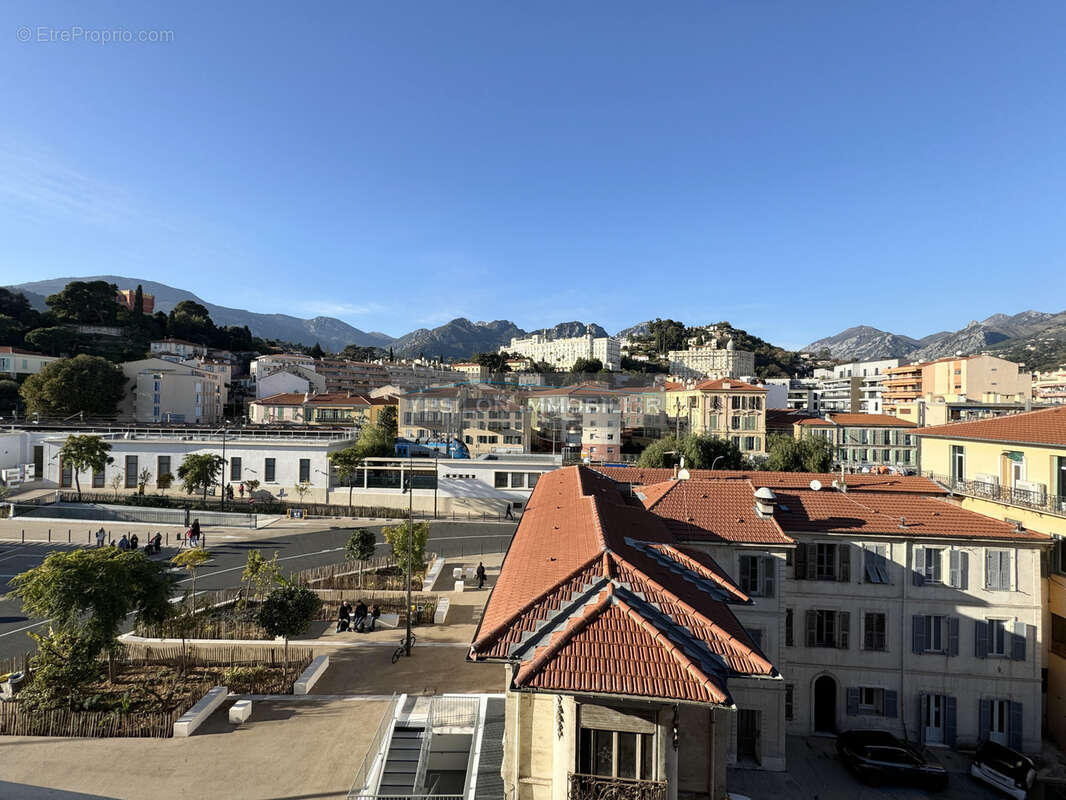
825 705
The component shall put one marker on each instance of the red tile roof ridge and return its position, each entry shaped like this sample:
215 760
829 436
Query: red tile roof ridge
690 559
494 634
695 612
690 667
559 639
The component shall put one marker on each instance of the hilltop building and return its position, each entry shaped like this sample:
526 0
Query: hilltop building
562 353
711 361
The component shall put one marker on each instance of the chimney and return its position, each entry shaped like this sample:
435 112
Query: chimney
765 502
903 523
677 469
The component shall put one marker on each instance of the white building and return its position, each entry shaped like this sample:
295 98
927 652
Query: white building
179 347
562 353
711 361
856 387
15 361
292 380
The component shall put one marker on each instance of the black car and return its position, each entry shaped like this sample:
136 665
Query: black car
879 757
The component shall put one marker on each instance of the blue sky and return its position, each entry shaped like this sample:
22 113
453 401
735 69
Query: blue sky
795 168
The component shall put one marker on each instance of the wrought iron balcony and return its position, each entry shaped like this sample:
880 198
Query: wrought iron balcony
601 787
1007 495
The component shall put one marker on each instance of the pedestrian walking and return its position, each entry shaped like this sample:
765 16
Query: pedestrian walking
510 516
194 534
101 537
240 491
480 575
134 541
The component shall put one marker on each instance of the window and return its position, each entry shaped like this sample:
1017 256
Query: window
500 480
66 475
531 479
822 561
927 564
826 563
875 563
1058 635
827 628
789 628
268 470
131 472
98 479
518 480
932 633
958 463
790 693
873 631
997 637
235 468
305 470
997 570
616 753
871 700
757 575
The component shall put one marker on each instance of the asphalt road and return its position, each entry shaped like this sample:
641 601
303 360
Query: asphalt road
295 551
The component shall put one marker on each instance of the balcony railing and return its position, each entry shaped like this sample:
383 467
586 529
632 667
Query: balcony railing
997 493
600 787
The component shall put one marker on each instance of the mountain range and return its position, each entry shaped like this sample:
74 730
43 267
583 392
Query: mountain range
1034 338
333 334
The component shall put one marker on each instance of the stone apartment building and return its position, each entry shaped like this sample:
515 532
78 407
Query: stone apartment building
622 656
711 361
885 605
562 353
725 408
160 390
865 441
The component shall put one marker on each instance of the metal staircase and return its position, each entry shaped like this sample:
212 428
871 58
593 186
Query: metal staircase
400 773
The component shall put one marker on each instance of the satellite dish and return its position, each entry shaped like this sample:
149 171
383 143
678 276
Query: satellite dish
683 475
816 485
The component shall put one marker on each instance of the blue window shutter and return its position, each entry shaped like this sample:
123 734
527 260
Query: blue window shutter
954 568
891 703
950 725
953 636
1018 642
917 633
853 701
844 562
919 566
844 624
1014 735
984 723
980 638
964 570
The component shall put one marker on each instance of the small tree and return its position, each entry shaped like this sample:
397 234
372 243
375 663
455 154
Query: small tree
200 471
118 480
83 453
164 481
142 479
91 592
347 462
361 547
261 575
191 560
63 667
251 486
302 488
404 551
288 612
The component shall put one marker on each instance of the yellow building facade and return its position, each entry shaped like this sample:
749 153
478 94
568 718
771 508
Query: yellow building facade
724 408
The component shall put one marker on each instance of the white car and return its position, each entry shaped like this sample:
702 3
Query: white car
1003 768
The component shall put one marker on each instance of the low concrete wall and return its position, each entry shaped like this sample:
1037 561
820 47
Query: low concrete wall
195 716
309 677
441 615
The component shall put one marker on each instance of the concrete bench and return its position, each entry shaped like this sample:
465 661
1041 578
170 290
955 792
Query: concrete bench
309 677
440 616
388 621
195 716
471 573
460 586
457 573
240 711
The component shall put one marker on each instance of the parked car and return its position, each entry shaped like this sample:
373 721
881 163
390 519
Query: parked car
1005 769
879 757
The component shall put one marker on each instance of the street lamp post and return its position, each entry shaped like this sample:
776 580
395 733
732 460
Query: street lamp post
716 461
410 545
222 483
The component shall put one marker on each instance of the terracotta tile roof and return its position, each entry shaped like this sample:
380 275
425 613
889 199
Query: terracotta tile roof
337 399
866 420
874 512
712 511
913 484
595 595
784 418
281 399
1044 427
19 351
717 385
